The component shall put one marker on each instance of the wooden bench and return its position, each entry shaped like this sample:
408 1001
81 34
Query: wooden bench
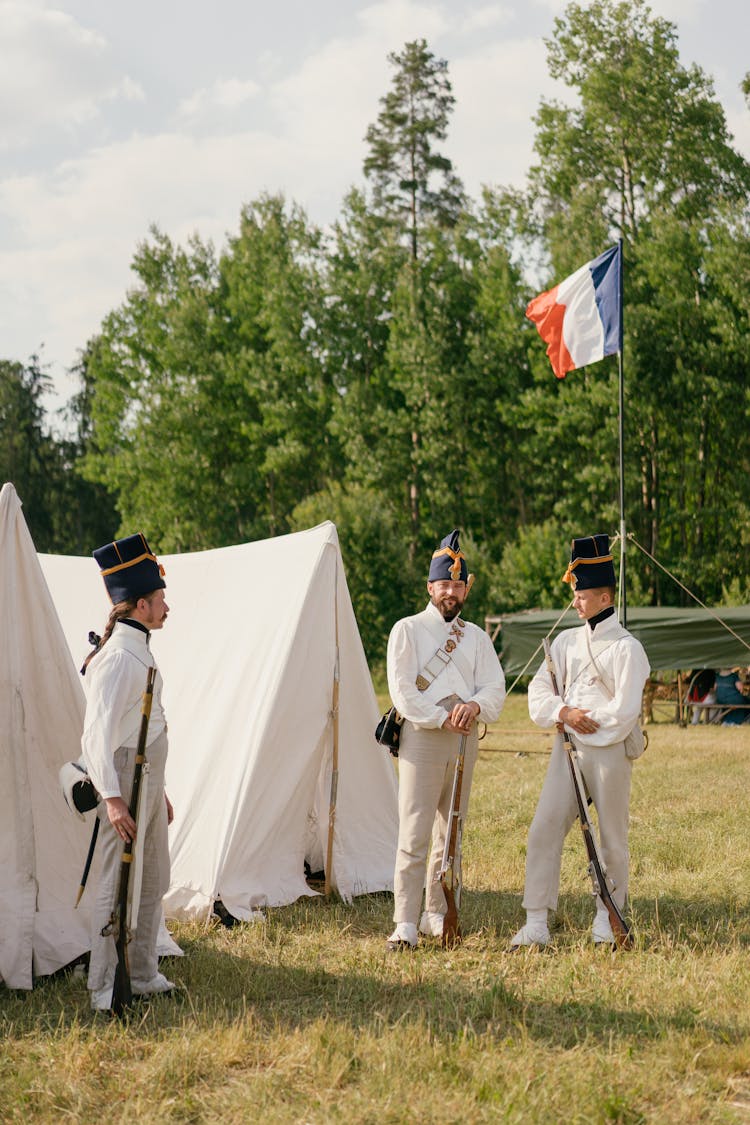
713 713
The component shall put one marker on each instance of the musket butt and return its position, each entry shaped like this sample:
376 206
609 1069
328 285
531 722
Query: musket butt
452 937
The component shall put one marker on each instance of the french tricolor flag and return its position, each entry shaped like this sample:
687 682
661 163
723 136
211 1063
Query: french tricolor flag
579 319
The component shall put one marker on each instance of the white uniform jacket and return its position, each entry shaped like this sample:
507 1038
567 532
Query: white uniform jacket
614 704
115 682
473 673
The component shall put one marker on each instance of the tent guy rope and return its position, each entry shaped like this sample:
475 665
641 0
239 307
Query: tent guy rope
690 593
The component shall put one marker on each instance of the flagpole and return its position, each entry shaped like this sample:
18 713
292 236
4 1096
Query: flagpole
623 588
588 293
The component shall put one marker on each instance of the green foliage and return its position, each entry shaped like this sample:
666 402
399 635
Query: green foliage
532 565
63 512
621 162
627 149
26 452
160 403
211 400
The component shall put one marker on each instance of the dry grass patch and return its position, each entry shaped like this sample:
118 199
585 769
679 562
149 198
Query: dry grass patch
305 1019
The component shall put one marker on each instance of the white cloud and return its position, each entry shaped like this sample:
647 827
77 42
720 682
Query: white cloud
497 90
75 231
492 86
738 123
555 7
224 94
680 12
326 105
394 22
126 89
486 17
55 73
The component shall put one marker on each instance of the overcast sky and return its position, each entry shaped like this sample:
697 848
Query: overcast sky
117 115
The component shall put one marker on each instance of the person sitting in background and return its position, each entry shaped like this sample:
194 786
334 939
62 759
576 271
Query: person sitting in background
729 690
702 690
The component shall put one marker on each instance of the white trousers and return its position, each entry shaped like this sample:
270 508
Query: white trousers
426 767
142 956
607 772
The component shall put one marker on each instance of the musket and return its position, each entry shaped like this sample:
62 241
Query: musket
450 869
602 884
449 873
122 995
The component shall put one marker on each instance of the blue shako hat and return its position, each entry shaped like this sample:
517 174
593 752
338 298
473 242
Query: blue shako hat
129 568
590 563
448 563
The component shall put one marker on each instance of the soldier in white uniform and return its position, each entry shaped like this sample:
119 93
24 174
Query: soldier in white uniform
443 675
116 674
601 670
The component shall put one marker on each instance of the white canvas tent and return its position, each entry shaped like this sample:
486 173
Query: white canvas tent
42 845
249 660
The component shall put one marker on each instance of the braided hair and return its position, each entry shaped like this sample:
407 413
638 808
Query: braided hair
118 611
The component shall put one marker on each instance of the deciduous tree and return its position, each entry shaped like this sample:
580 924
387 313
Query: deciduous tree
643 153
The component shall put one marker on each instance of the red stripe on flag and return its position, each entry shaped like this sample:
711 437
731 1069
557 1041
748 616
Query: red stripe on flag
548 316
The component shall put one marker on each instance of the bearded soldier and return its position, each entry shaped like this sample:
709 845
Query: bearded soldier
443 675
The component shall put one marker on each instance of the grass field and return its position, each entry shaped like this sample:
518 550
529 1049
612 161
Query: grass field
305 1019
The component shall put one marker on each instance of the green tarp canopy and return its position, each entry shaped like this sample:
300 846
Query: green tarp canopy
672 638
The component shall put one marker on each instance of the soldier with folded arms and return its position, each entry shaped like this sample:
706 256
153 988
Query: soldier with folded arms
601 670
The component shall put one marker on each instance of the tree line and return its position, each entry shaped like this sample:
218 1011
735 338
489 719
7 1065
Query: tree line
382 374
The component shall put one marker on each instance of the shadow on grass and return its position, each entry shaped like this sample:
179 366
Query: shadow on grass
667 921
405 990
480 989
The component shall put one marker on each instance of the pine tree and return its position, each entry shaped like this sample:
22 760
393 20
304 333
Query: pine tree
412 181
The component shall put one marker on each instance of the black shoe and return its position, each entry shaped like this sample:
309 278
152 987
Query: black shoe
399 946
224 916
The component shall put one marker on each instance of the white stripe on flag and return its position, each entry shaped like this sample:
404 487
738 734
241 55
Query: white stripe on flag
583 332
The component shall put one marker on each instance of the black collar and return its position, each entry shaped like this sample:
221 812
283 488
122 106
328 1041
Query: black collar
135 625
605 613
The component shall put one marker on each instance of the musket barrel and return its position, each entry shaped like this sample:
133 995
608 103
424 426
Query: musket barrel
601 883
122 996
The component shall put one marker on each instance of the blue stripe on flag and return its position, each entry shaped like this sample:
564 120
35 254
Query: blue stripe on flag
605 273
